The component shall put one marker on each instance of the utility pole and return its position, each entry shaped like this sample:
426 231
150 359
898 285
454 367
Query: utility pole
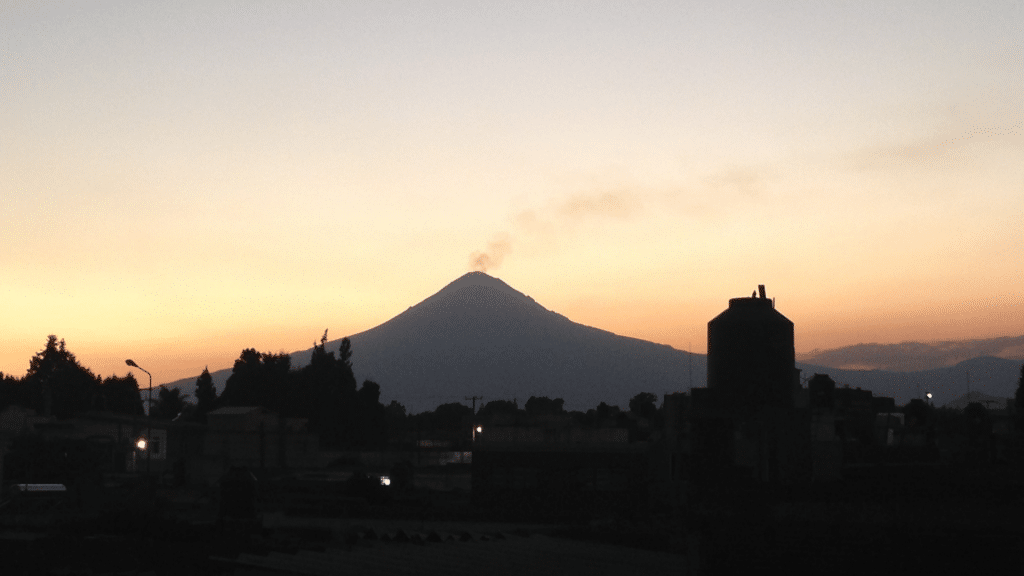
474 399
690 356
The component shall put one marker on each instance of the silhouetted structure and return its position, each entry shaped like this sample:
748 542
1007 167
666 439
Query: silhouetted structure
751 357
746 422
255 438
538 477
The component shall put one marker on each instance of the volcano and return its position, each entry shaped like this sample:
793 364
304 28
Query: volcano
478 336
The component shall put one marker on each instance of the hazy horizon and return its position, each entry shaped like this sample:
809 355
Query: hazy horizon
185 181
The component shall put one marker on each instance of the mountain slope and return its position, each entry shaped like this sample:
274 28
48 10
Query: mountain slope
480 337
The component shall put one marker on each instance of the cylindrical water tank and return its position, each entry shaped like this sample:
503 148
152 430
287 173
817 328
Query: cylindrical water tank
751 357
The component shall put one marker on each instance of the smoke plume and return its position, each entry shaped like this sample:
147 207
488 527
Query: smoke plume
556 217
492 257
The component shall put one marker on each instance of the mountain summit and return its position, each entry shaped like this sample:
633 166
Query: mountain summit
472 295
478 279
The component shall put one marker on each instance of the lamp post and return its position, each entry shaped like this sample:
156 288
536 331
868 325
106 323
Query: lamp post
149 430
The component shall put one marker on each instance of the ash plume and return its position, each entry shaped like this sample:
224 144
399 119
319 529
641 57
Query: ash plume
557 217
492 257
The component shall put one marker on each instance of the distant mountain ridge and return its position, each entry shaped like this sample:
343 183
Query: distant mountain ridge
478 336
989 375
916 356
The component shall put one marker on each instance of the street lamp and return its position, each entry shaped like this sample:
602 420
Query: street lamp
149 430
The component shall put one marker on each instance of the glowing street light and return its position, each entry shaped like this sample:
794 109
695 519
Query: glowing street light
141 444
149 430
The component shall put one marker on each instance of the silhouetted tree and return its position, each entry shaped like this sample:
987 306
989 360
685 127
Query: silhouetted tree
501 413
396 421
345 358
169 403
320 353
121 395
370 416
276 370
257 380
325 392
451 417
643 416
12 392
56 383
206 395
242 387
544 406
644 405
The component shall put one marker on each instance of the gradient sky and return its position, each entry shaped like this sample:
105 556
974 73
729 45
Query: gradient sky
184 180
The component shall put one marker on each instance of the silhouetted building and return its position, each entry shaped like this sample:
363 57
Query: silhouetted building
256 438
541 477
745 423
822 392
751 356
558 467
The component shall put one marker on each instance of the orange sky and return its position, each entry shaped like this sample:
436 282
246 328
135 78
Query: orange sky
182 182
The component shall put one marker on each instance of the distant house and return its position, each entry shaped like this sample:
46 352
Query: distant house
256 438
106 443
559 469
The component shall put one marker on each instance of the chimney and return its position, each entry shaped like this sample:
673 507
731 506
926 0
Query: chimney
760 290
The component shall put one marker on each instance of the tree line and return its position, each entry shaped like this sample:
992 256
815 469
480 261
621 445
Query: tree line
57 384
347 415
324 392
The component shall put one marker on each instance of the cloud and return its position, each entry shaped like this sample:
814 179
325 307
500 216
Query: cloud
974 117
608 204
913 356
747 180
956 148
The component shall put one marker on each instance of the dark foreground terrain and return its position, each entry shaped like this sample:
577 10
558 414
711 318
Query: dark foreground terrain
895 519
